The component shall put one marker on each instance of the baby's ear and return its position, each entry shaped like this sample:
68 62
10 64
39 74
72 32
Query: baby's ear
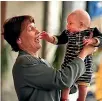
81 24
19 41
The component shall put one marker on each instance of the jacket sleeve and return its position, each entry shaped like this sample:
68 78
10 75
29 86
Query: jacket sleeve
41 76
97 34
63 38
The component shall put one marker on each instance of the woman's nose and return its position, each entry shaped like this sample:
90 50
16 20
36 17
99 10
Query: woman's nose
37 31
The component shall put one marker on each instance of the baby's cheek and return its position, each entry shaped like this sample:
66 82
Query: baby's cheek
67 28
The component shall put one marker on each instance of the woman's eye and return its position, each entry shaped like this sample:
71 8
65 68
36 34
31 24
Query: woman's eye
30 28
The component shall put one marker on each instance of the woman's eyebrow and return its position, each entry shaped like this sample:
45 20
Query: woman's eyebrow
32 25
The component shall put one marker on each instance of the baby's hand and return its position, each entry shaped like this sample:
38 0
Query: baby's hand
90 41
44 35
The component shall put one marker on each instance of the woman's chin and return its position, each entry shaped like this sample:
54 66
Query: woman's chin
39 46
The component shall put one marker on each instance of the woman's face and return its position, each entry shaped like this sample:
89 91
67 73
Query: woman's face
29 37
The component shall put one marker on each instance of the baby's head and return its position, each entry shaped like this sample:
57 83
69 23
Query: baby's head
78 20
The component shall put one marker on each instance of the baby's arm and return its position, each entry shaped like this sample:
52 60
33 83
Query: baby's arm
98 36
52 39
55 39
96 40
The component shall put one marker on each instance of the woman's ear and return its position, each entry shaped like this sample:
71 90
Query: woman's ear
19 41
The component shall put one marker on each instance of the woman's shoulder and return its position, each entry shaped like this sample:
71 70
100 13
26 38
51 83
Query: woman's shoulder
25 58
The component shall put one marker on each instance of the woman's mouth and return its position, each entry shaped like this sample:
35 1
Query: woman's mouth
37 40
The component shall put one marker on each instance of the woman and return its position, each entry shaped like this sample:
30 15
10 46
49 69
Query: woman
34 78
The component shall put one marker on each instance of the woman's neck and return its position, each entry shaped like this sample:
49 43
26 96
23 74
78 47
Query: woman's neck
35 54
32 52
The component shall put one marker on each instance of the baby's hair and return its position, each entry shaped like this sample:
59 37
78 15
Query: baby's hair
83 16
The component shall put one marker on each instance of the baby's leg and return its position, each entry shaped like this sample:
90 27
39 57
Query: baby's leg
82 92
65 94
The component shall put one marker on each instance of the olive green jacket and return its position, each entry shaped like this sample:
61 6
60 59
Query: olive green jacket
37 80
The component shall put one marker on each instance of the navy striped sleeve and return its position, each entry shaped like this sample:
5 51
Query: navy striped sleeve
98 34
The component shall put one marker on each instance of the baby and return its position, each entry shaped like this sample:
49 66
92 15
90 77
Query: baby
77 34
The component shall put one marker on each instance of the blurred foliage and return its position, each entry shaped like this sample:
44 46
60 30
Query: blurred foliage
97 59
4 60
58 56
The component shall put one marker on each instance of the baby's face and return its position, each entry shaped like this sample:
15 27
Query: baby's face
73 24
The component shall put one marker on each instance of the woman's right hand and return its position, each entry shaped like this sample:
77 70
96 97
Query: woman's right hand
87 50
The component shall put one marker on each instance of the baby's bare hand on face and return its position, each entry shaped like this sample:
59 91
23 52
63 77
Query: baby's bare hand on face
44 35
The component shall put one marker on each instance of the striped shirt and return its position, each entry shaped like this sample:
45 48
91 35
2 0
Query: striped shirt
74 46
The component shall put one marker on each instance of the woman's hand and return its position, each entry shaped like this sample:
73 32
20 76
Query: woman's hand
87 50
90 41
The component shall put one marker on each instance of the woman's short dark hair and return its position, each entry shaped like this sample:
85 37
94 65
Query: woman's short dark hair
12 29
